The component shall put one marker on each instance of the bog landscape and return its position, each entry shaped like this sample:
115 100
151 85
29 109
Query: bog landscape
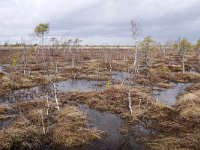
66 95
85 97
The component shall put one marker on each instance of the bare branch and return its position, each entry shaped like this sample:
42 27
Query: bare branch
135 27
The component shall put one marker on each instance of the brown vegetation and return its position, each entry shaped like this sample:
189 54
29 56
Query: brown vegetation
32 126
70 128
178 128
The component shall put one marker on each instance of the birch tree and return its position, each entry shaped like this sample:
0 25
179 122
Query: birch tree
135 31
184 47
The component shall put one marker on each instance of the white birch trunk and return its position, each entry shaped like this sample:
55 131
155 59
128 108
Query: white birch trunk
130 104
136 53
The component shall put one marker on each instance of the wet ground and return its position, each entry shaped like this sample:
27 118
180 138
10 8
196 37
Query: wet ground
105 121
119 77
1 69
169 96
111 125
62 86
47 90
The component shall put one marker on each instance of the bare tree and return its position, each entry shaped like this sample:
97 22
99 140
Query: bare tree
136 31
184 47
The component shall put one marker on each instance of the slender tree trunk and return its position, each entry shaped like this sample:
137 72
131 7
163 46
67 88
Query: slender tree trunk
136 53
140 104
47 105
183 64
129 103
43 127
55 96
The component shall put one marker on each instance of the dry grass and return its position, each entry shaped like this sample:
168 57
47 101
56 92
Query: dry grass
29 105
6 85
164 85
67 127
114 100
164 143
20 138
35 116
1 75
179 128
70 128
185 141
3 109
188 106
5 112
191 114
189 98
160 72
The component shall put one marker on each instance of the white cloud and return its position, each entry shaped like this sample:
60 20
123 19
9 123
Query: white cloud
104 21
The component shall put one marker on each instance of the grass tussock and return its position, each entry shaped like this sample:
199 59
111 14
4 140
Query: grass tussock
26 106
70 128
5 112
114 100
178 128
20 138
3 108
67 127
185 141
188 106
34 116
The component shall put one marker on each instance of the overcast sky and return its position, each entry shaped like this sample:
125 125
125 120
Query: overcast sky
101 21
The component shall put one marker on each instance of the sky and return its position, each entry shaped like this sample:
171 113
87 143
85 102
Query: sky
100 21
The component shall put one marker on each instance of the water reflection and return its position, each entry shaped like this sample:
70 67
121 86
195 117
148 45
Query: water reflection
47 90
169 96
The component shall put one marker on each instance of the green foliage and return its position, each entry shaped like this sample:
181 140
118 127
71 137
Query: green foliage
16 44
15 59
42 29
133 49
175 45
148 44
77 41
32 51
147 47
165 70
1 74
197 45
185 46
108 84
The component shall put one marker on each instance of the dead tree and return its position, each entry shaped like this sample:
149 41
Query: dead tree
54 79
26 71
56 95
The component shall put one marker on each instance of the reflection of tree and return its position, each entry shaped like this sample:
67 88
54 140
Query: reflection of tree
45 90
28 94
